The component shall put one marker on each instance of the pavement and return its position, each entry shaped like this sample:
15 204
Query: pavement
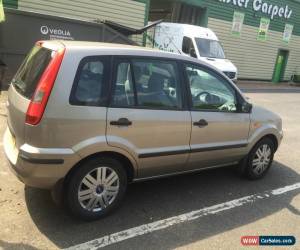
268 87
206 210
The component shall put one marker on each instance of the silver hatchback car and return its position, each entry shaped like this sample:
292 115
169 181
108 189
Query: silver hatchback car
89 118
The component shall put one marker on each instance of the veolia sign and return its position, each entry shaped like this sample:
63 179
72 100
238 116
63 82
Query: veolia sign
262 6
56 33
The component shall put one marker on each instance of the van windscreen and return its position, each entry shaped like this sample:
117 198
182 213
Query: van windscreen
31 70
210 48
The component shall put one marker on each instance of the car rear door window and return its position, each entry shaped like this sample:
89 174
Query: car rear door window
90 86
147 83
157 84
123 88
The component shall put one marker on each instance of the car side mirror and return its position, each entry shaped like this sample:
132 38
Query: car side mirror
246 107
193 53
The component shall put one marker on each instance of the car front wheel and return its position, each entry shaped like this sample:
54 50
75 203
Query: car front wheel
259 160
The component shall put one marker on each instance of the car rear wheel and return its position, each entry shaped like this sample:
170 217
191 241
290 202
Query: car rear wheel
259 160
96 188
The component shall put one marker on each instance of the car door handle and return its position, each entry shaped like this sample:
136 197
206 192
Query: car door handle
121 122
201 123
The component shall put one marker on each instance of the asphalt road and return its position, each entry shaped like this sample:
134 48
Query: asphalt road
30 220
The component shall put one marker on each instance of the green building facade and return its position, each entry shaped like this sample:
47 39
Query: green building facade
259 54
261 37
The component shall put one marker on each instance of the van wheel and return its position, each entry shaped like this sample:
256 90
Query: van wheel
96 188
259 160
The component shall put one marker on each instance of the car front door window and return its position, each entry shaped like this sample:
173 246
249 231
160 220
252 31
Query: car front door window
209 92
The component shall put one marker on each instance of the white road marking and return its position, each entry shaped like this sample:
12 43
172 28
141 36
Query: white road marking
190 216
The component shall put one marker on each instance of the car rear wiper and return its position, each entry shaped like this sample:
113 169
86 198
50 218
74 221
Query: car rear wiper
17 86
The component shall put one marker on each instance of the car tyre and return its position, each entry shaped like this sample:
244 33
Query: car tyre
257 163
96 188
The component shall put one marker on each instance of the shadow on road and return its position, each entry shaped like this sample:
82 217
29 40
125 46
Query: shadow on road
158 199
11 246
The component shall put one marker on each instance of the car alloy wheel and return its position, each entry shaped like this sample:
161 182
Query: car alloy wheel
98 189
261 159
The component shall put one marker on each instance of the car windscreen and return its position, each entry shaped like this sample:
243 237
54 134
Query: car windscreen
210 48
31 70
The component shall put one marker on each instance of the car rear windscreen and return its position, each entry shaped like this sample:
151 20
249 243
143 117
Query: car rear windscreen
31 70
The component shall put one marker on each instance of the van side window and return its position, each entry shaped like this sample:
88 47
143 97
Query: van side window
90 84
210 92
188 47
149 84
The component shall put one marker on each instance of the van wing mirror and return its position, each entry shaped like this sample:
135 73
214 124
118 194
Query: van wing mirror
193 53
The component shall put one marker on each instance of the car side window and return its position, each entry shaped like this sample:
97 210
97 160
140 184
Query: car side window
123 95
157 84
209 91
147 83
90 84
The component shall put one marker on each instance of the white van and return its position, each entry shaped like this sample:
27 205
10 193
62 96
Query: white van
195 41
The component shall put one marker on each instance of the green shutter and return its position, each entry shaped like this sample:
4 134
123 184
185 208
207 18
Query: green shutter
224 11
13 4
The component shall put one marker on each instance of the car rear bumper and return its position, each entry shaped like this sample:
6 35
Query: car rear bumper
38 167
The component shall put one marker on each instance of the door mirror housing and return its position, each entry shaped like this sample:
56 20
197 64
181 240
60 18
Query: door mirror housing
246 107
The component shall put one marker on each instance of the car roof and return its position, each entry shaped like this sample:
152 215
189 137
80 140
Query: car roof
88 44
127 50
123 49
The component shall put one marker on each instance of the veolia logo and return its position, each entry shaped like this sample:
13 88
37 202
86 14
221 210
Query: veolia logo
53 31
44 30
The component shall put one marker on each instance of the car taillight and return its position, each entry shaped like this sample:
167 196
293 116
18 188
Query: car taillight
41 95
